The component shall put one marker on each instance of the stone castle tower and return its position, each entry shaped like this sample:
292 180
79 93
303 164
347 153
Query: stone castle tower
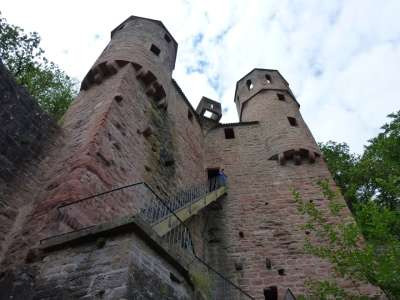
115 199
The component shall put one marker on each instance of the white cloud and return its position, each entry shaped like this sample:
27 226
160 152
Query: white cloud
340 57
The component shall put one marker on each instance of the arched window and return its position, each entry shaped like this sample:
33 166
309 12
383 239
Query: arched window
249 84
268 78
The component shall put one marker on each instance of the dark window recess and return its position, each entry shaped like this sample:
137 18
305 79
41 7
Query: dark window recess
271 293
249 84
281 97
292 121
268 263
212 173
167 38
268 78
169 162
229 133
190 115
155 49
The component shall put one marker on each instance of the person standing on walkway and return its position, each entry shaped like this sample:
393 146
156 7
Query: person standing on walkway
221 178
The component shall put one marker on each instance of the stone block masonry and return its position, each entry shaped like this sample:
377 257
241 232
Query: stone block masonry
130 123
24 127
102 265
26 133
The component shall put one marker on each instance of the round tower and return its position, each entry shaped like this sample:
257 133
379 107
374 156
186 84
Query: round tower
145 43
144 40
264 95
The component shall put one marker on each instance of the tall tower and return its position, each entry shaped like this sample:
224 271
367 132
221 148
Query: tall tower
130 124
264 95
257 235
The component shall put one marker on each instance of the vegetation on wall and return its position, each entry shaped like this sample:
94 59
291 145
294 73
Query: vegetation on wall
203 283
22 55
367 249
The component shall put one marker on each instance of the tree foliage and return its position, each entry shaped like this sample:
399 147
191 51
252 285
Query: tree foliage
45 81
343 166
373 175
367 250
380 165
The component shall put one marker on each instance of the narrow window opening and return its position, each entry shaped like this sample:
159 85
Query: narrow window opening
190 115
249 84
268 78
167 38
212 175
271 293
292 121
155 49
208 114
281 97
268 263
229 133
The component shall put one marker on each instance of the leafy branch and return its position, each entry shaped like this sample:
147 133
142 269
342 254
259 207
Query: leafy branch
366 249
21 54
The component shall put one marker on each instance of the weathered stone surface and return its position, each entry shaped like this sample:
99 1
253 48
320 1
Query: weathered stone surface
25 134
260 202
126 267
132 123
24 127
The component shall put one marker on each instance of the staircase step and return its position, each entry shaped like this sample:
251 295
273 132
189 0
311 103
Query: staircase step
165 225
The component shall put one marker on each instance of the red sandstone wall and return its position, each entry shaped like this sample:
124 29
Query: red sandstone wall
120 129
26 133
257 235
259 220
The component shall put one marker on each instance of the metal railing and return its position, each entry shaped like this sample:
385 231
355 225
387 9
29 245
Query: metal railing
289 295
137 199
140 199
157 211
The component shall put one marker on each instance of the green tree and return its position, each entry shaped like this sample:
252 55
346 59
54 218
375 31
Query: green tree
380 166
45 81
367 250
375 175
343 166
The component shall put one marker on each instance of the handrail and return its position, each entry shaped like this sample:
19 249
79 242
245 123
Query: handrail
101 194
289 295
184 234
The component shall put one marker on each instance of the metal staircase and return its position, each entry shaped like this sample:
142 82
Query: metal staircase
182 207
167 217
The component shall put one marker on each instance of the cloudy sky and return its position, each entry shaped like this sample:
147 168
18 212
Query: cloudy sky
341 58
